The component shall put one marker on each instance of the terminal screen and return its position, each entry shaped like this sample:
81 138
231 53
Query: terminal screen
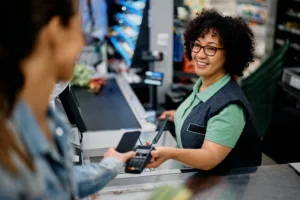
142 151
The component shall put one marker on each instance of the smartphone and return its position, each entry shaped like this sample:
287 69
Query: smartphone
128 141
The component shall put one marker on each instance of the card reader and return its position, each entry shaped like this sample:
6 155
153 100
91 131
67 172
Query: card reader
143 154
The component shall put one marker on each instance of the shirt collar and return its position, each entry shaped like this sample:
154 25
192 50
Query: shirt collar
29 130
211 90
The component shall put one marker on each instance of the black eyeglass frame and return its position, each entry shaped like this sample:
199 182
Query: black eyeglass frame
204 48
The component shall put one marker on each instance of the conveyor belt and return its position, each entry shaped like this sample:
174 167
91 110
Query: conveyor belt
107 111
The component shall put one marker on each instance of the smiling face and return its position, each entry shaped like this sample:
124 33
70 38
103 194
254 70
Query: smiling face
209 66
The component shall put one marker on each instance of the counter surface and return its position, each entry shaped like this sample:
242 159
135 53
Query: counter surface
278 182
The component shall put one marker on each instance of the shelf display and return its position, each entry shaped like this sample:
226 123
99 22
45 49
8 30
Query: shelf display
288 28
293 13
123 48
281 42
125 34
133 6
252 13
292 27
255 12
126 37
195 6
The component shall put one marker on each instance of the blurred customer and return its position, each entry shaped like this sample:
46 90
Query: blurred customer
39 45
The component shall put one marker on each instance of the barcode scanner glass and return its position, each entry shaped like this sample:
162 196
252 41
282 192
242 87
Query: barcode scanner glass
128 141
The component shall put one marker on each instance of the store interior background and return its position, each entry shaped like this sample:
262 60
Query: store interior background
123 37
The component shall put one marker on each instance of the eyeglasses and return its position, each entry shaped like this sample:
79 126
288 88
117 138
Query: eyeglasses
208 50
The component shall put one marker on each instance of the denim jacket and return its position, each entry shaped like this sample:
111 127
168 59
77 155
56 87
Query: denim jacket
54 177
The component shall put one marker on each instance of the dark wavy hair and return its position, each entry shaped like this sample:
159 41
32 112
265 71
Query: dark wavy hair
235 35
21 23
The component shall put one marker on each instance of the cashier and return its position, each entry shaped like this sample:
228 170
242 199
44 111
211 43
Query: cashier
215 125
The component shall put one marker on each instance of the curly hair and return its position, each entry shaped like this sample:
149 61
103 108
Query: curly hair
235 35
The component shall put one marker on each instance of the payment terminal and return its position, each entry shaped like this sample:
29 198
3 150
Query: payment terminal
143 154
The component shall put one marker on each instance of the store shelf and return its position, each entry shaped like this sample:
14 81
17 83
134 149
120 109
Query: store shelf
122 19
121 50
130 32
281 42
126 6
294 15
251 2
255 13
123 36
127 31
287 27
292 30
253 20
252 12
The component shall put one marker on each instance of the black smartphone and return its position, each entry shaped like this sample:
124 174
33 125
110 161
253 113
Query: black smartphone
128 141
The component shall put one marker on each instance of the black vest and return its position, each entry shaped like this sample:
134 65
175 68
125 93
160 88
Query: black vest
247 151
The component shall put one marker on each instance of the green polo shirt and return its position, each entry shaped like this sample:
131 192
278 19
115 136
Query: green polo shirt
224 128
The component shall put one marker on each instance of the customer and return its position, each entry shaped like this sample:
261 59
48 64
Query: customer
215 126
39 43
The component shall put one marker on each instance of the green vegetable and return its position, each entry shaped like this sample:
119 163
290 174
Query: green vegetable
82 75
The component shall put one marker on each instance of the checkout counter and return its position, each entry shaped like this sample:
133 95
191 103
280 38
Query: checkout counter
111 113
117 110
278 182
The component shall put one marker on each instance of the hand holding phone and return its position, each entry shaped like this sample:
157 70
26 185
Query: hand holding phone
123 157
143 153
128 141
124 149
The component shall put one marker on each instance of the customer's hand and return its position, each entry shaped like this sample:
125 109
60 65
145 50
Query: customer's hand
170 113
159 156
111 152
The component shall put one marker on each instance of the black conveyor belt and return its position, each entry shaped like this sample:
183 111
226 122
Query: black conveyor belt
108 110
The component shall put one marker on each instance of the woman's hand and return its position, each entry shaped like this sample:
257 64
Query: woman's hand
160 155
111 152
170 113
